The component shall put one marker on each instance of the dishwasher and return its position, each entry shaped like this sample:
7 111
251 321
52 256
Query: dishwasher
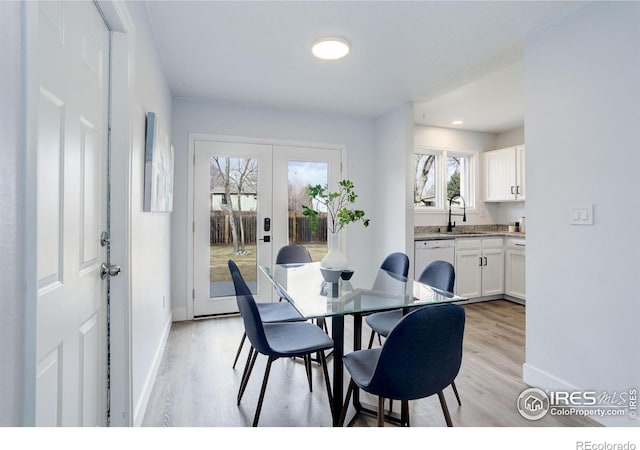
429 251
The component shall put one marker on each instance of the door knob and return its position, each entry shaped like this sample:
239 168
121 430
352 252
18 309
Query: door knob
112 270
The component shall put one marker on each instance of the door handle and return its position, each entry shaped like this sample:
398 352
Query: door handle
111 271
265 239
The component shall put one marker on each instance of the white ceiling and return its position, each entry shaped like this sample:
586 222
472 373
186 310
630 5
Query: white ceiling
451 58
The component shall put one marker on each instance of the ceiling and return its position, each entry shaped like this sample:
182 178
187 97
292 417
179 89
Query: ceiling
453 59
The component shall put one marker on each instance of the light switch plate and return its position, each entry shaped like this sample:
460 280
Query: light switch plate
581 215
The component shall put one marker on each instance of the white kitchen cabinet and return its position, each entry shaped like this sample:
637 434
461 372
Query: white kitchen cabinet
514 267
504 174
479 267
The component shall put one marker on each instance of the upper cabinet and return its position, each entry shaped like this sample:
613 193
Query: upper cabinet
504 174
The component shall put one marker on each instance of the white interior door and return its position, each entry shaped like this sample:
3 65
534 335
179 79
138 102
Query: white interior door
71 214
232 203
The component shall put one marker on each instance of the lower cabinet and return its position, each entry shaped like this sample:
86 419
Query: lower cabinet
514 262
479 267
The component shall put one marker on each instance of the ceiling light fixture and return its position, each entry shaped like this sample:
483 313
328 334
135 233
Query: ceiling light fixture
330 48
457 122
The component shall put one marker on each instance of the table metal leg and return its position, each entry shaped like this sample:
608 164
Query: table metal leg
337 328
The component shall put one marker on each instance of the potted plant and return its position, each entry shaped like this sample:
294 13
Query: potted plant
512 227
338 216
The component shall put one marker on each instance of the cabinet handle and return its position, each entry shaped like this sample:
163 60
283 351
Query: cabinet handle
518 190
480 258
512 193
485 260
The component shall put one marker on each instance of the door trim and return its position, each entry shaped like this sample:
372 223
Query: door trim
121 104
193 137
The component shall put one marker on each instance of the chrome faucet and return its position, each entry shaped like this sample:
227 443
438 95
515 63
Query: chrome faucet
450 226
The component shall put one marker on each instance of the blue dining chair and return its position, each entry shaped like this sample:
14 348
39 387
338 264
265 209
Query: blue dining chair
282 311
396 266
404 368
276 340
291 254
396 263
438 274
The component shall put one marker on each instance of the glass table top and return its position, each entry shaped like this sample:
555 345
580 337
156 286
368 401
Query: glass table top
304 286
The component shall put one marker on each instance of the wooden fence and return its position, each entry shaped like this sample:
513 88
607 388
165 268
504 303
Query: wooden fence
299 229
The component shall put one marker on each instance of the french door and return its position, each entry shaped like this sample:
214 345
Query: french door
247 203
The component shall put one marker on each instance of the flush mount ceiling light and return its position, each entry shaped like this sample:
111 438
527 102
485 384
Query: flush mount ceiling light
330 48
457 122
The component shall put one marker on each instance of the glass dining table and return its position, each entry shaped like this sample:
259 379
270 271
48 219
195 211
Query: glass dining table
304 286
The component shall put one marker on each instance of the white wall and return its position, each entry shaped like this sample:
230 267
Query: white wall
582 137
242 120
150 232
11 195
451 139
393 214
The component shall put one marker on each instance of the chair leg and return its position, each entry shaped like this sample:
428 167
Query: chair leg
405 413
244 336
262 390
327 382
248 369
445 410
455 391
307 367
345 407
246 365
373 333
380 411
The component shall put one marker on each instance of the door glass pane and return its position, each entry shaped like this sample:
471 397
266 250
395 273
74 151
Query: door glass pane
301 174
233 206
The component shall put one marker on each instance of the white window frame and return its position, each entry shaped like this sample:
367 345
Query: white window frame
442 202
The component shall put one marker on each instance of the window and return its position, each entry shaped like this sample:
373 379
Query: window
441 175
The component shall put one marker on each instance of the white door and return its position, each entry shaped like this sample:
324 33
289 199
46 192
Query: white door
232 210
264 193
71 214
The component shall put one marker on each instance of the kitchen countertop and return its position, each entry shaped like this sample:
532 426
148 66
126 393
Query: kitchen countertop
470 234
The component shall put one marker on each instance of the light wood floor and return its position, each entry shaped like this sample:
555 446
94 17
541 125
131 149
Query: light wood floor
196 385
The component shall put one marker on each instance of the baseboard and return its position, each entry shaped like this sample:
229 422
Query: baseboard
141 406
535 377
519 301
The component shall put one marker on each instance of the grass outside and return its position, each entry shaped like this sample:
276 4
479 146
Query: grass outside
219 254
